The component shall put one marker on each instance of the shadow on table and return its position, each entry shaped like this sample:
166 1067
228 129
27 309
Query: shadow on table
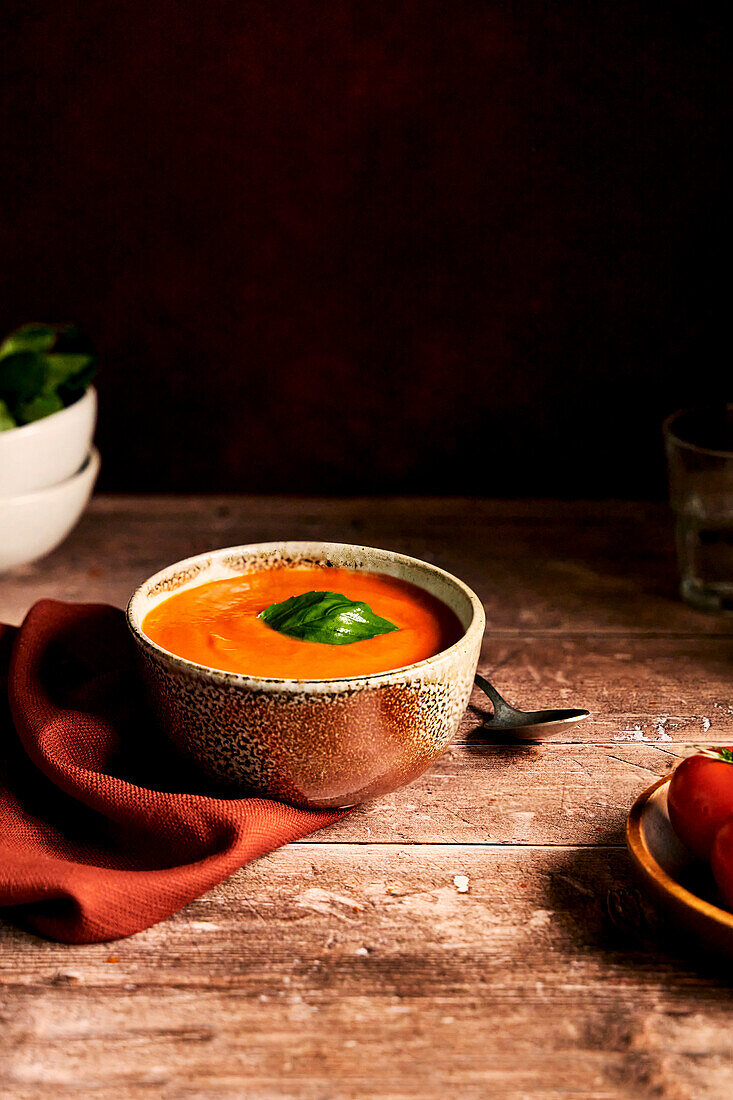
597 572
598 905
597 902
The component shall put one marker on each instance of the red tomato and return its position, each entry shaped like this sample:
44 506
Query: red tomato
721 858
700 798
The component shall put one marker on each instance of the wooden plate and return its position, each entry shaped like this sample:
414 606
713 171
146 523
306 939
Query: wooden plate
677 882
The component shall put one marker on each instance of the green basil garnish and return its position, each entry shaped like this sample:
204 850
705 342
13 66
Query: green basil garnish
43 368
7 420
325 617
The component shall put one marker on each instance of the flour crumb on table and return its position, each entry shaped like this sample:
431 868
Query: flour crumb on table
461 883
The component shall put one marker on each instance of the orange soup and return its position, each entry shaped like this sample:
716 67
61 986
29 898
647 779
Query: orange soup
216 624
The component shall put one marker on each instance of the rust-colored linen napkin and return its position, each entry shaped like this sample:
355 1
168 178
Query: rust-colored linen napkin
101 833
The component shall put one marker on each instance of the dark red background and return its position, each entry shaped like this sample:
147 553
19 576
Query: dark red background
367 247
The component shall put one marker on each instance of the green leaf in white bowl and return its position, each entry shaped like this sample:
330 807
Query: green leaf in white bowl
6 420
43 368
22 375
42 405
32 337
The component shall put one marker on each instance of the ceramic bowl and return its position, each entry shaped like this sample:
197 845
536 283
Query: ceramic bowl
675 880
33 524
47 451
314 743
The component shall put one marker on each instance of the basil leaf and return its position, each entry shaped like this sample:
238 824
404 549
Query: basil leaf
32 337
42 405
327 617
22 374
69 375
6 420
75 385
42 369
63 367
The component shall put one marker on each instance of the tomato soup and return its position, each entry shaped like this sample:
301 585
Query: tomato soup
216 624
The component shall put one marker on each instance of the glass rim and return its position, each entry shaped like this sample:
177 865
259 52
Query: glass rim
670 434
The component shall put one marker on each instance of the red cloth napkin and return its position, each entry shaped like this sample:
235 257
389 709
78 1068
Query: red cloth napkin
101 834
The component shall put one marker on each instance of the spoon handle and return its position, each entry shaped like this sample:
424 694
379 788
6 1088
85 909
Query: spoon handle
500 704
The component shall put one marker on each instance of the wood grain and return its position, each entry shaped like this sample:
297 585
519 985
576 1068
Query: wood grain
325 970
557 567
351 964
539 794
651 688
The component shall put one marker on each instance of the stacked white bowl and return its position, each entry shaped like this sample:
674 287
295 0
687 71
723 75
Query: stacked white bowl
47 472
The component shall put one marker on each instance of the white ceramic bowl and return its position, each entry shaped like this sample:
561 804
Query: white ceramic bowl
47 451
33 524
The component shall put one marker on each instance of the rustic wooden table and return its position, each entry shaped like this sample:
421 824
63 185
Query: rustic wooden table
352 964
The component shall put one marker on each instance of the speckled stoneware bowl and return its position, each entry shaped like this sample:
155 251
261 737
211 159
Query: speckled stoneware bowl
311 742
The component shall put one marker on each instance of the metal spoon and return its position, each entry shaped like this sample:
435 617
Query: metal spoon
525 725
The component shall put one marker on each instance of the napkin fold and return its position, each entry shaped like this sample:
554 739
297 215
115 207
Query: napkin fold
103 829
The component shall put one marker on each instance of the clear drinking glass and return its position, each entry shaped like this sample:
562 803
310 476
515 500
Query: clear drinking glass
699 445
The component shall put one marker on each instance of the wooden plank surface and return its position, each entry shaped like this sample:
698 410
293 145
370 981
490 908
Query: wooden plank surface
323 972
351 965
578 568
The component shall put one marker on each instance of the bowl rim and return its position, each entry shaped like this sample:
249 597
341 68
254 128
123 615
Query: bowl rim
651 869
372 679
671 436
88 469
38 426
